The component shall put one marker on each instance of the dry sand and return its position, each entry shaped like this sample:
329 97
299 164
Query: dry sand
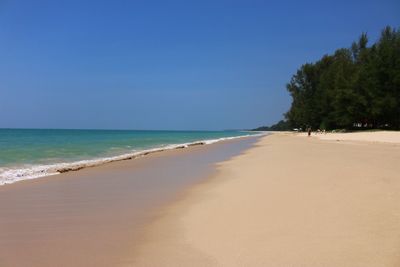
379 136
289 201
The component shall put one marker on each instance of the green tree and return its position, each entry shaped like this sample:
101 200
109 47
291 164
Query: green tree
356 85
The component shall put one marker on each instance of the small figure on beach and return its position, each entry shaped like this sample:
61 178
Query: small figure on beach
309 131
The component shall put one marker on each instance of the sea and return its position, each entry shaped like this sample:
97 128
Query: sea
33 153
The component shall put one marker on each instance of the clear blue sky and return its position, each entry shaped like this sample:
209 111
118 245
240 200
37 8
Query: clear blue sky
166 64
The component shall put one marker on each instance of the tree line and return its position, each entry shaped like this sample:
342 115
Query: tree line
356 87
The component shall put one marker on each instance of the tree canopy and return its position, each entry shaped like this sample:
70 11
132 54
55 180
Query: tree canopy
354 87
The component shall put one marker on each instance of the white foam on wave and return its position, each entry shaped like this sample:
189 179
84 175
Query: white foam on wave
12 175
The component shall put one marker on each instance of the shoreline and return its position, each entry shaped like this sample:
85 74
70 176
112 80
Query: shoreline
92 217
336 205
13 175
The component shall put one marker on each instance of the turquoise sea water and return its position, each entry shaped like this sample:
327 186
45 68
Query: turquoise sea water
32 153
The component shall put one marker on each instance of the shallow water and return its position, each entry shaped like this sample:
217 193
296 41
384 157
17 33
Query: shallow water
33 153
95 216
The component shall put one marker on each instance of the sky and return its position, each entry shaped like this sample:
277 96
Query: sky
176 65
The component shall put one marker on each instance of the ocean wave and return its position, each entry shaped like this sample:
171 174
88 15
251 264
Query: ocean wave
12 175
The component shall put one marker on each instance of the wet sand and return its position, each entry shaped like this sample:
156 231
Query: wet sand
288 201
93 217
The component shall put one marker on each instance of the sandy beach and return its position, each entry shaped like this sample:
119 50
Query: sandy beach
288 201
200 134
279 200
94 216
373 136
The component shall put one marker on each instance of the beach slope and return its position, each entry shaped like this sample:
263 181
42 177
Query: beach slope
288 201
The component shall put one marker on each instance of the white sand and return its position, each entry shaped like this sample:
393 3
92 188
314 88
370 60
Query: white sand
379 136
290 201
